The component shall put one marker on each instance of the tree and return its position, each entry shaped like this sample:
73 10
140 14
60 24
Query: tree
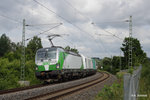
137 53
4 45
17 53
33 45
71 49
106 63
115 64
10 60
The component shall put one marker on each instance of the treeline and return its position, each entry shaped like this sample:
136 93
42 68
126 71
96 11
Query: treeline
113 65
117 63
10 62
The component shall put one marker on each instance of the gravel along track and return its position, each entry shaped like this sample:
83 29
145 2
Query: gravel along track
34 92
20 89
89 93
60 94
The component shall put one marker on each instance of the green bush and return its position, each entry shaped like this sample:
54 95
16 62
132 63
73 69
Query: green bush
10 73
114 92
30 73
144 83
130 70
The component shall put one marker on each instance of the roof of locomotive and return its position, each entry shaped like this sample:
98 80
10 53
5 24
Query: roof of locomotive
55 47
52 47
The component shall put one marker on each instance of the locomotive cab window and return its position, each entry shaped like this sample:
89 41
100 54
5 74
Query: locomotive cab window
40 55
51 54
46 54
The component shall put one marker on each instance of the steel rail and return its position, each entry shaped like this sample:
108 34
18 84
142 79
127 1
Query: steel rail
30 87
66 91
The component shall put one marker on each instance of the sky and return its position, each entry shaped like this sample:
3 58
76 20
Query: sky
87 25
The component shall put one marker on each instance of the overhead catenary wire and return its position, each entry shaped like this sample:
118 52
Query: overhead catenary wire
35 28
14 20
11 19
44 31
93 23
39 28
103 34
114 21
102 43
82 15
104 47
107 32
42 24
90 19
68 41
61 17
64 19
58 15
113 35
52 11
76 9
117 21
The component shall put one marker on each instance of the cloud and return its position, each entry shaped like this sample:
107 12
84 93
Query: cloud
107 15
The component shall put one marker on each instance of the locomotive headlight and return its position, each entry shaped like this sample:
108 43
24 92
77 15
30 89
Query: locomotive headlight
36 68
57 65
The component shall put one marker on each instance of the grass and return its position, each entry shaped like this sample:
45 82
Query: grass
113 92
144 82
144 90
103 71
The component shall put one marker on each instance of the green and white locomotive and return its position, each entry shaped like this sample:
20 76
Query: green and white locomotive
55 63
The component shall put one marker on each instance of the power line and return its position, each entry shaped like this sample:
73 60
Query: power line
67 41
43 24
115 21
103 35
11 19
52 11
58 15
104 47
76 9
44 31
107 32
82 15
113 35
35 26
63 18
102 43
89 19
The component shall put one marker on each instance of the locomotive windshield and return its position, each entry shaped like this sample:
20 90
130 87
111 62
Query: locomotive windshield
51 54
46 54
41 55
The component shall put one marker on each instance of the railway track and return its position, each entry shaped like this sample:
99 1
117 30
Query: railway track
52 91
20 89
27 87
66 91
